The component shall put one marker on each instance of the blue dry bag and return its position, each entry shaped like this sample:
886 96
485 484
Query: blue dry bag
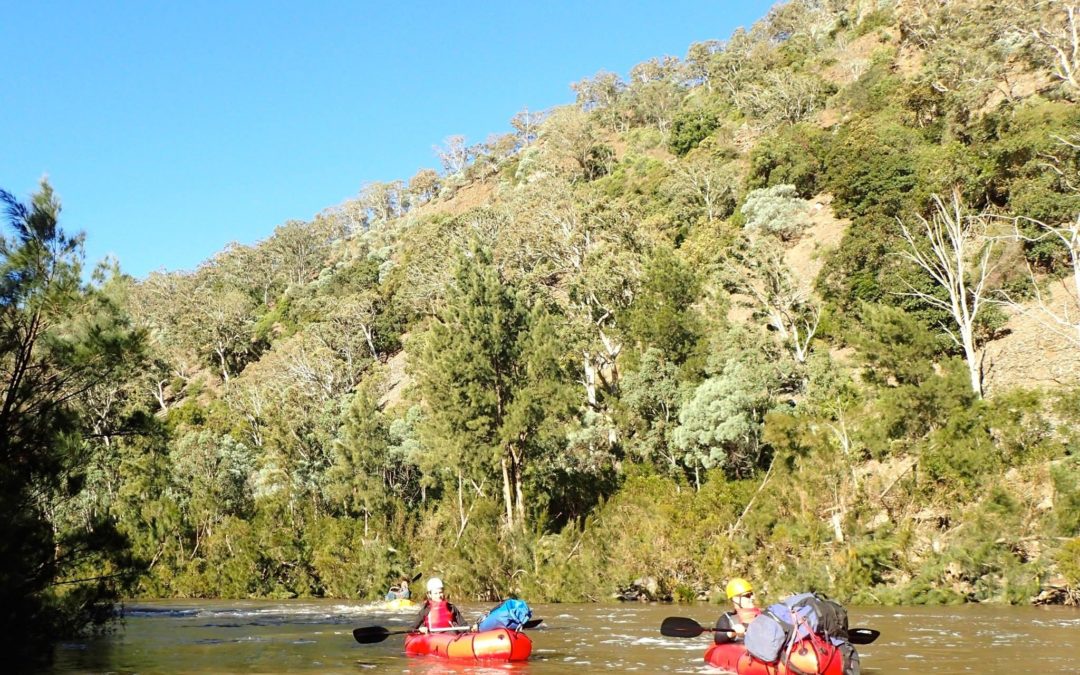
510 614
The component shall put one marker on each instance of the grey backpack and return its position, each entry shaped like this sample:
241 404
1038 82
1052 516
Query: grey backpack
767 635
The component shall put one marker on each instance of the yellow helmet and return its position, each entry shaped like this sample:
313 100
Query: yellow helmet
738 586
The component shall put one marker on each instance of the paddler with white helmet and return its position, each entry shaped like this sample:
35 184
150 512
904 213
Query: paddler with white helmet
437 612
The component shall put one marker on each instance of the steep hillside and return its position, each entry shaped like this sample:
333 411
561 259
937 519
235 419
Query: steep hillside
765 309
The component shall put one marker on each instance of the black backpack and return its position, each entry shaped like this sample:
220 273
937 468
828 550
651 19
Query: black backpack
832 618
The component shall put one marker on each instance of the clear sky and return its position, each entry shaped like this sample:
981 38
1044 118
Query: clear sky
170 129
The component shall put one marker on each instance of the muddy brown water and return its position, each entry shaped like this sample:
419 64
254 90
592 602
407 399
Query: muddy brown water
316 637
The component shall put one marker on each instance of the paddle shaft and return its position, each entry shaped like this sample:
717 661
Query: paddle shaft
373 634
677 626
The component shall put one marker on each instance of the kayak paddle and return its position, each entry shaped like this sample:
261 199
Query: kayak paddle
678 626
372 634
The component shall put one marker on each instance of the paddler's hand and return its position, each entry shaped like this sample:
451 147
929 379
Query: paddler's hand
474 627
739 629
423 630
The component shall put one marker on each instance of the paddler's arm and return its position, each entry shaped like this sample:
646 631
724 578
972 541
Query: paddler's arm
418 624
455 616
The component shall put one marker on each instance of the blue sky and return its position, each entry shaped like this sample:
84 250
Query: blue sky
172 129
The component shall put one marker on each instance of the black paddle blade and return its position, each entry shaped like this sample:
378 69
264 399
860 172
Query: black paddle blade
532 623
862 636
371 634
416 577
677 626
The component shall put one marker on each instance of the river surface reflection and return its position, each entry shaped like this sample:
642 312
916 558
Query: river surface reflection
315 637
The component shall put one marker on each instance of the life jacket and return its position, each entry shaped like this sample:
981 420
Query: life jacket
439 615
728 620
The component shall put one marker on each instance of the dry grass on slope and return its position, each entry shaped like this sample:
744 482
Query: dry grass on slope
468 196
807 256
397 380
1031 354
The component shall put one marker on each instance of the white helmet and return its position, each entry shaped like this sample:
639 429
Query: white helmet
434 584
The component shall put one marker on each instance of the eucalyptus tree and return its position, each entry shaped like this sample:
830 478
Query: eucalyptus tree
656 89
707 182
288 404
60 340
721 420
572 144
1058 306
382 202
696 64
781 98
1057 34
161 305
526 124
454 155
755 270
732 68
423 187
211 477
586 252
602 94
651 400
203 319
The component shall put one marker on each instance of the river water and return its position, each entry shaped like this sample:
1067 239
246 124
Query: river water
316 637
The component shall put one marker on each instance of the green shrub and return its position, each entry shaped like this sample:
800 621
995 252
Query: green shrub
962 453
690 126
871 168
1068 561
879 18
877 89
867 564
1066 477
792 156
776 210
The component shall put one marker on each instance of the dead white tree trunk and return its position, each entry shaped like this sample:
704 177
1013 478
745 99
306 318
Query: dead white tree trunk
787 305
1061 38
959 261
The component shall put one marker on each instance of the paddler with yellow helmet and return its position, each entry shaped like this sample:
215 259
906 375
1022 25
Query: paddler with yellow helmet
732 625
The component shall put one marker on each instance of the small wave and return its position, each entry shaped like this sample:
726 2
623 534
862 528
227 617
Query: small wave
151 612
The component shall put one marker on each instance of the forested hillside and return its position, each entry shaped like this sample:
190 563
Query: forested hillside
800 306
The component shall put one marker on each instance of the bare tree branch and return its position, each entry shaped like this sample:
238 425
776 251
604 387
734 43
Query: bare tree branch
959 261
1060 315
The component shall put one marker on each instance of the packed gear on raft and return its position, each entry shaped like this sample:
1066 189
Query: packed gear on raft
806 620
812 655
511 614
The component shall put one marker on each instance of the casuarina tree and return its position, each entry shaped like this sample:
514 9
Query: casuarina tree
492 379
60 340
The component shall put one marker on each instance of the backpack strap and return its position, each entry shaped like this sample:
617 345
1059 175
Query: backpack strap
815 642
